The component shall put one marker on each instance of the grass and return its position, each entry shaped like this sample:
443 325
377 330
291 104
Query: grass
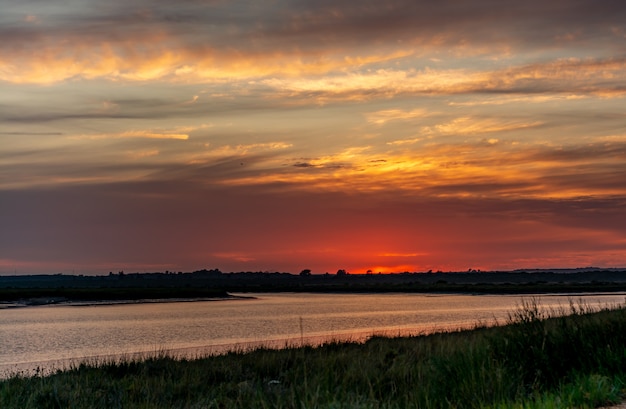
585 391
536 360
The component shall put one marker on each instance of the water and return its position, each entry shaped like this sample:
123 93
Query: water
54 336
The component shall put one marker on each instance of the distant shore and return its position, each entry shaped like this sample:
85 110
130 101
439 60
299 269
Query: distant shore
33 302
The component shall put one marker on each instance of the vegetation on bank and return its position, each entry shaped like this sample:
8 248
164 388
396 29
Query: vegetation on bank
214 283
537 360
38 296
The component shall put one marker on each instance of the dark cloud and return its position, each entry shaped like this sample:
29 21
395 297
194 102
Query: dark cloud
304 165
592 155
52 116
592 152
32 133
211 172
84 108
454 21
304 26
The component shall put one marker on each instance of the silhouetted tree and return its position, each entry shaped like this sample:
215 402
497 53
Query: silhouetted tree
305 273
342 272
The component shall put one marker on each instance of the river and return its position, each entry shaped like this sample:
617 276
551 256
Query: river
55 336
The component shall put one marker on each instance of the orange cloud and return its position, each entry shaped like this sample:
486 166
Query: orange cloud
153 135
142 154
315 76
180 133
384 116
235 256
489 168
159 56
472 126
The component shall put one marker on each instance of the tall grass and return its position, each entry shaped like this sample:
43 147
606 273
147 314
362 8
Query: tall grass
539 359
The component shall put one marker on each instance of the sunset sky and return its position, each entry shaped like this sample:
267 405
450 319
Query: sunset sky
401 135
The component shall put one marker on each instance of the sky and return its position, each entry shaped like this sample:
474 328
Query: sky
401 135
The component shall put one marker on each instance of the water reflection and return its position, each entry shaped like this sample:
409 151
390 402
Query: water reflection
52 336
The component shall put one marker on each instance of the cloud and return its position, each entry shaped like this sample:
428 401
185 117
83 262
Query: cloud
237 150
572 75
498 156
156 135
400 142
304 165
142 154
180 133
574 78
516 99
485 168
242 257
384 116
217 41
473 126
383 83
24 133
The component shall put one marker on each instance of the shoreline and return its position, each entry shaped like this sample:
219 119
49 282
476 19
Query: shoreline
63 301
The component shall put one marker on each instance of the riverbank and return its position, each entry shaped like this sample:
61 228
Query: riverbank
534 361
34 302
23 297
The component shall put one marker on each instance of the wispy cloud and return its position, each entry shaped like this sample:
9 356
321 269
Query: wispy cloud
384 116
155 135
142 153
235 256
181 133
474 126
574 78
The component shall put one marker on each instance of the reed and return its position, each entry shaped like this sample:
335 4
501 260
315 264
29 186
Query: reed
536 360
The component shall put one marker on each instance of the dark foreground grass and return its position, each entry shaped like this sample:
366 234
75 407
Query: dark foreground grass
535 361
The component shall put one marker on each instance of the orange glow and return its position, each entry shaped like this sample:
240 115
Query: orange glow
154 58
362 170
388 269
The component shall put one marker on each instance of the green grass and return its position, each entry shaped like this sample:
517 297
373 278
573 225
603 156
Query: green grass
585 391
536 360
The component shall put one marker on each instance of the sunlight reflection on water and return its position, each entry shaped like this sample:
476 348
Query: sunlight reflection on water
51 337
